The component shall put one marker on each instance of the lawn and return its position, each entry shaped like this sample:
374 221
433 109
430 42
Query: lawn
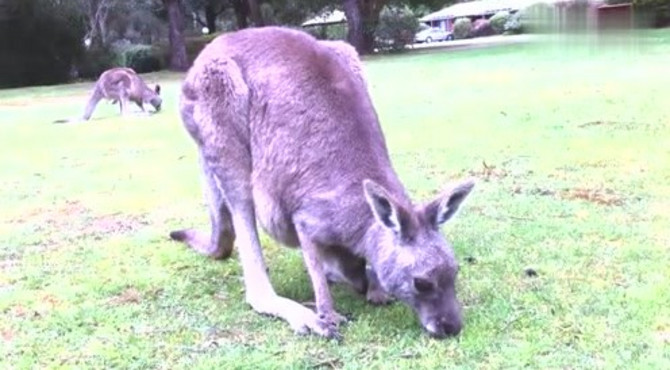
564 244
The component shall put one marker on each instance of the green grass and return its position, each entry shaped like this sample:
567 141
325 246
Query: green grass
570 143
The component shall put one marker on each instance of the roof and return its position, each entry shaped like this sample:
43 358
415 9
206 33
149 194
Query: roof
480 8
330 17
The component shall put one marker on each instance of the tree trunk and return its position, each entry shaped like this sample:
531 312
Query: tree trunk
97 12
210 17
241 8
362 20
178 58
354 24
255 12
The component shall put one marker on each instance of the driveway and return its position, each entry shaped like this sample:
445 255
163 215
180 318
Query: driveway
475 42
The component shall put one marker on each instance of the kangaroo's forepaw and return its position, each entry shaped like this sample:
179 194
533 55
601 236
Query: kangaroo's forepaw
378 297
301 319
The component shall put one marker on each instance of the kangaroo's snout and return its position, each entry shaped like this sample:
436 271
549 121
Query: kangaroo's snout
444 327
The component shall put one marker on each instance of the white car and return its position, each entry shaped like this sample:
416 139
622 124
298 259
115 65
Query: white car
433 34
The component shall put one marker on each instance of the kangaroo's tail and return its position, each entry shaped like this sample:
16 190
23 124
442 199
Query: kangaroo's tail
93 101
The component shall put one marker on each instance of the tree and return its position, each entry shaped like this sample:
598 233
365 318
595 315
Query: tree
396 29
241 9
656 11
255 13
111 20
178 58
293 12
432 5
40 41
362 20
211 9
97 12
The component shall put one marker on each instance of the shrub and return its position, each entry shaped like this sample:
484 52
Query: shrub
513 25
41 41
462 28
329 32
482 27
498 21
655 13
194 46
538 18
142 58
95 61
336 32
396 28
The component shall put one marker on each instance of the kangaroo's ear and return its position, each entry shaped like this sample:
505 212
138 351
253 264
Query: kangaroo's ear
158 89
445 206
383 207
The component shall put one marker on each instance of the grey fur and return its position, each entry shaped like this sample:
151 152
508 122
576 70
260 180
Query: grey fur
122 85
288 136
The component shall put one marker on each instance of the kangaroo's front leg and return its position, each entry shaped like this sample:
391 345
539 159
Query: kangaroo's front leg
325 306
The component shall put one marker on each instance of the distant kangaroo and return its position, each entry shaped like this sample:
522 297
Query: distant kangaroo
288 136
123 85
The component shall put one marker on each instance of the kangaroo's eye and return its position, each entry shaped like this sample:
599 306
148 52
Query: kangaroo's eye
423 285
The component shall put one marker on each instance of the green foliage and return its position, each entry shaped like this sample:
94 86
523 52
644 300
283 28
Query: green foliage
513 25
95 61
498 21
424 5
143 58
538 18
292 12
482 27
41 40
396 28
462 28
329 32
194 45
138 21
656 12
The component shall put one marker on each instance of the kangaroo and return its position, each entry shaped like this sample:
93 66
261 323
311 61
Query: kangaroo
288 137
123 85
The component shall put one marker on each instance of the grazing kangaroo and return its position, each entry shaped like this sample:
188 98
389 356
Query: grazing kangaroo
123 85
288 136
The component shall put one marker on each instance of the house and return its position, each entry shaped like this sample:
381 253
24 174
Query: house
445 18
326 19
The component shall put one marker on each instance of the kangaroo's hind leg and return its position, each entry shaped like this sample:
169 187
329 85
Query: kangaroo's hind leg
219 244
215 111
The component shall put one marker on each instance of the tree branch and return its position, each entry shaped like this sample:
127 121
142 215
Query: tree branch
221 10
197 18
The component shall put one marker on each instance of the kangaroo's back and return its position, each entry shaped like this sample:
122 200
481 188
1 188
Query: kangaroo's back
309 116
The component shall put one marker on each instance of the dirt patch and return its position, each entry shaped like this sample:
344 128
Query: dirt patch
8 262
7 335
663 336
597 123
622 125
74 221
601 196
17 311
129 295
56 216
115 224
42 307
488 172
221 337
596 164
